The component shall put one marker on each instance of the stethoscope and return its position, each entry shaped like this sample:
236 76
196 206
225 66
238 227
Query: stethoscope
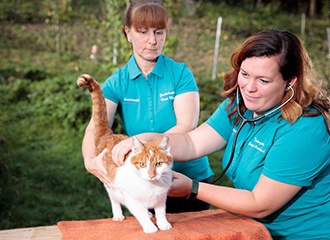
244 121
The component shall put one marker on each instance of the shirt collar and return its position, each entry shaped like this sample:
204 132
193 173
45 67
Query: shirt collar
135 72
159 67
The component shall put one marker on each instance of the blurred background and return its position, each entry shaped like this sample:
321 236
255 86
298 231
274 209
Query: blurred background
45 45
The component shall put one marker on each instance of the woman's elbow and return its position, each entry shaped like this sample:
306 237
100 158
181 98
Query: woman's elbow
262 213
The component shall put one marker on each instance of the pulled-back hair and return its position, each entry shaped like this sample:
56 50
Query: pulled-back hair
146 14
293 62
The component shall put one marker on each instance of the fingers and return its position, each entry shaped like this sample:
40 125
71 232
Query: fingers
118 153
97 168
102 173
181 185
102 177
175 174
120 150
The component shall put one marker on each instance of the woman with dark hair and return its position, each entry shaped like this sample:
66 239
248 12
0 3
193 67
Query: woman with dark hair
274 125
151 93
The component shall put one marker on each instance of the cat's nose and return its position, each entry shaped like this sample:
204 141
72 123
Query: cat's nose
151 176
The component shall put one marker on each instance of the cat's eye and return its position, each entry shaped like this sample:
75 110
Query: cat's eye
143 164
159 164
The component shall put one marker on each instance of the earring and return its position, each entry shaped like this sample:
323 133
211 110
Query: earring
130 40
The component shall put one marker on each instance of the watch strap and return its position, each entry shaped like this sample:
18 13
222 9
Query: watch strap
194 190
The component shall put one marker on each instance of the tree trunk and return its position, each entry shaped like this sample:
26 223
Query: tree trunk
312 7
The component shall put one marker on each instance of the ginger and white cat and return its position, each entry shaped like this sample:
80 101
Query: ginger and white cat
143 181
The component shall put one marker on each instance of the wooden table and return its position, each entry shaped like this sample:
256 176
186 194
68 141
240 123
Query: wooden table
33 233
209 224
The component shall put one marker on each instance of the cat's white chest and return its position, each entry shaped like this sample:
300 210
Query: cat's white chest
128 184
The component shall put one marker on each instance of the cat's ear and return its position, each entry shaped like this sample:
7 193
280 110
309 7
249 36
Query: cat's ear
137 145
164 144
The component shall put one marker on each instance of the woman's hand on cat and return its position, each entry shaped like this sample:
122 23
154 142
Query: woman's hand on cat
120 150
95 167
181 185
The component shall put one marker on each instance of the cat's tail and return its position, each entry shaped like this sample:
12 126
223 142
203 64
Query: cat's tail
87 81
98 102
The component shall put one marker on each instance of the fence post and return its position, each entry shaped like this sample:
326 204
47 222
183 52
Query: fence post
216 48
328 32
303 25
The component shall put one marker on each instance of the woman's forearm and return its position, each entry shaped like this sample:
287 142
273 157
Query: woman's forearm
267 197
88 146
184 146
199 142
181 146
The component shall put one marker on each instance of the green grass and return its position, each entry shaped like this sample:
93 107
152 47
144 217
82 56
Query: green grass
43 112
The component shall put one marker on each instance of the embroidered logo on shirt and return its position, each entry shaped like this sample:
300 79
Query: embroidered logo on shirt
255 143
167 96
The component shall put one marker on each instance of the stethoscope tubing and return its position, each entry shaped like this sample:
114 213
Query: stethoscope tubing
244 121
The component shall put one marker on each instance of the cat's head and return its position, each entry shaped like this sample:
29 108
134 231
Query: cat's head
152 159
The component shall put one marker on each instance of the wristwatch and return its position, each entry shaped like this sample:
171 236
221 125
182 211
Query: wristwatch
194 190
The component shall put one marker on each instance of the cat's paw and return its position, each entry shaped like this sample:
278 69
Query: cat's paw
118 218
164 225
151 228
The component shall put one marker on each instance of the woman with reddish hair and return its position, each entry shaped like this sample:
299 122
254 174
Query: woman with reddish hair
274 126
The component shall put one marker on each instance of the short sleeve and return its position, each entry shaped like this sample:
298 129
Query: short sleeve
187 82
181 76
220 121
111 87
299 153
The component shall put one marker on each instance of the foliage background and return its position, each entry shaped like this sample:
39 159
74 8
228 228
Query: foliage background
45 46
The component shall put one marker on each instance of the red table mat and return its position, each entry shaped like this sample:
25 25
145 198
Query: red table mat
209 224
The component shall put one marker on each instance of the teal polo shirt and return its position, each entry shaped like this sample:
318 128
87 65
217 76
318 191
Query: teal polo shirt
297 154
146 105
